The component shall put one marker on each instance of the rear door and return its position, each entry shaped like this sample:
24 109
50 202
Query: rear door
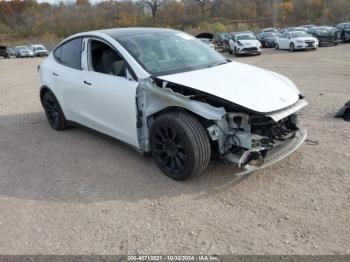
67 75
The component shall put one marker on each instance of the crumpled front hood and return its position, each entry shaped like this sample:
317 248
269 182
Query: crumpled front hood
245 85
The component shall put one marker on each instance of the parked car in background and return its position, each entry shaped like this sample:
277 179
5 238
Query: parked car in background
220 39
3 52
23 51
267 39
296 40
344 31
294 29
244 43
327 36
10 51
166 94
39 50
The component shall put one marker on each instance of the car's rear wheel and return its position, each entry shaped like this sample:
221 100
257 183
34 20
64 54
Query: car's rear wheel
291 47
53 111
179 145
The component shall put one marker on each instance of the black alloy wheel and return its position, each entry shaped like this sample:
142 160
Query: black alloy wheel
53 111
179 145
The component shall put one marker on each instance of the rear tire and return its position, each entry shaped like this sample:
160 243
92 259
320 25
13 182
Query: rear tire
53 111
179 145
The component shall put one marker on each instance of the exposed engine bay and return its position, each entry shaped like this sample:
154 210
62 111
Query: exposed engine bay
239 135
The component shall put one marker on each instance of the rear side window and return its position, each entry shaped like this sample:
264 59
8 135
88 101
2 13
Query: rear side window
69 53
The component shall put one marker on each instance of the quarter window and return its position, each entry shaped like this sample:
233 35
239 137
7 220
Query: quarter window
69 53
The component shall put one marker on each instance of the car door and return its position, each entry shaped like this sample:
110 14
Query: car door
108 98
67 74
285 41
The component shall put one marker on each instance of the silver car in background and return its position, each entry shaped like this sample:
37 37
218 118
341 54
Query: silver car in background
23 51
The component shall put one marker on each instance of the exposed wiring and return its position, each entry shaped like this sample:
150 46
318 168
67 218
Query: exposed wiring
227 137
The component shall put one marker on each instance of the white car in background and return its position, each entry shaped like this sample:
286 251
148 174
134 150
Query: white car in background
296 40
167 94
244 43
39 50
23 51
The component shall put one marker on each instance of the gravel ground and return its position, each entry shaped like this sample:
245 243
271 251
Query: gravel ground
78 192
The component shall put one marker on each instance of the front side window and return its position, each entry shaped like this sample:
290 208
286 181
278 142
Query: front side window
162 53
69 53
105 60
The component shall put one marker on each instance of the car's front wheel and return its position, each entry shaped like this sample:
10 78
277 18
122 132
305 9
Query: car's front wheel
235 51
291 47
179 145
53 111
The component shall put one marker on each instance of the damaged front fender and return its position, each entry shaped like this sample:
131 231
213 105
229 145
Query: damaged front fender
152 99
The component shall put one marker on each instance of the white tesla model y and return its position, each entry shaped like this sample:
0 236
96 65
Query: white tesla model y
167 93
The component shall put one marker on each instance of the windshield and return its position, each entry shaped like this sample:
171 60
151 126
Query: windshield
162 53
269 35
323 30
299 34
22 48
246 37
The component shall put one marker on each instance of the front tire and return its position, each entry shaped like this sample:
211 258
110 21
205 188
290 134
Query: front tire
235 52
53 111
291 47
179 145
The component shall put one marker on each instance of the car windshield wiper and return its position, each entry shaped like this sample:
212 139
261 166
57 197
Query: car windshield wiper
221 63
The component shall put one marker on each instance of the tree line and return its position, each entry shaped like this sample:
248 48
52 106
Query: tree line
28 19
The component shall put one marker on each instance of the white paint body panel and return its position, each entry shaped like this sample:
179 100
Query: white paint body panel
245 85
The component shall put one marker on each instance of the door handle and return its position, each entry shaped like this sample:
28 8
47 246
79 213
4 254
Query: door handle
55 74
87 83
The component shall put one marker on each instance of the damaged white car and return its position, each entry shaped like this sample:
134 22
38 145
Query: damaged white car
167 94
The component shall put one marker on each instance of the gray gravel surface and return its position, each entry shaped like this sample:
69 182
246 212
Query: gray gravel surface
78 192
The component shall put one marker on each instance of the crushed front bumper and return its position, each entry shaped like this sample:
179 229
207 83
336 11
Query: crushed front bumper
275 154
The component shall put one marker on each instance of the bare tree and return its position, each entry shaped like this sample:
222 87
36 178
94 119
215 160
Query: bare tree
207 5
153 5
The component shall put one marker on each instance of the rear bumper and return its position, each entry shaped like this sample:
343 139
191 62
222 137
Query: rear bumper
278 153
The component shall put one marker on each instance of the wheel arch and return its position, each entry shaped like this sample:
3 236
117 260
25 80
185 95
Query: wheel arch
204 121
43 90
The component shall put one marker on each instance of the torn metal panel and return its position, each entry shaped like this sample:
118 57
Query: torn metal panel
152 99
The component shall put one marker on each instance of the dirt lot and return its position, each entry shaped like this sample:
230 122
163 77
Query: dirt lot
77 192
